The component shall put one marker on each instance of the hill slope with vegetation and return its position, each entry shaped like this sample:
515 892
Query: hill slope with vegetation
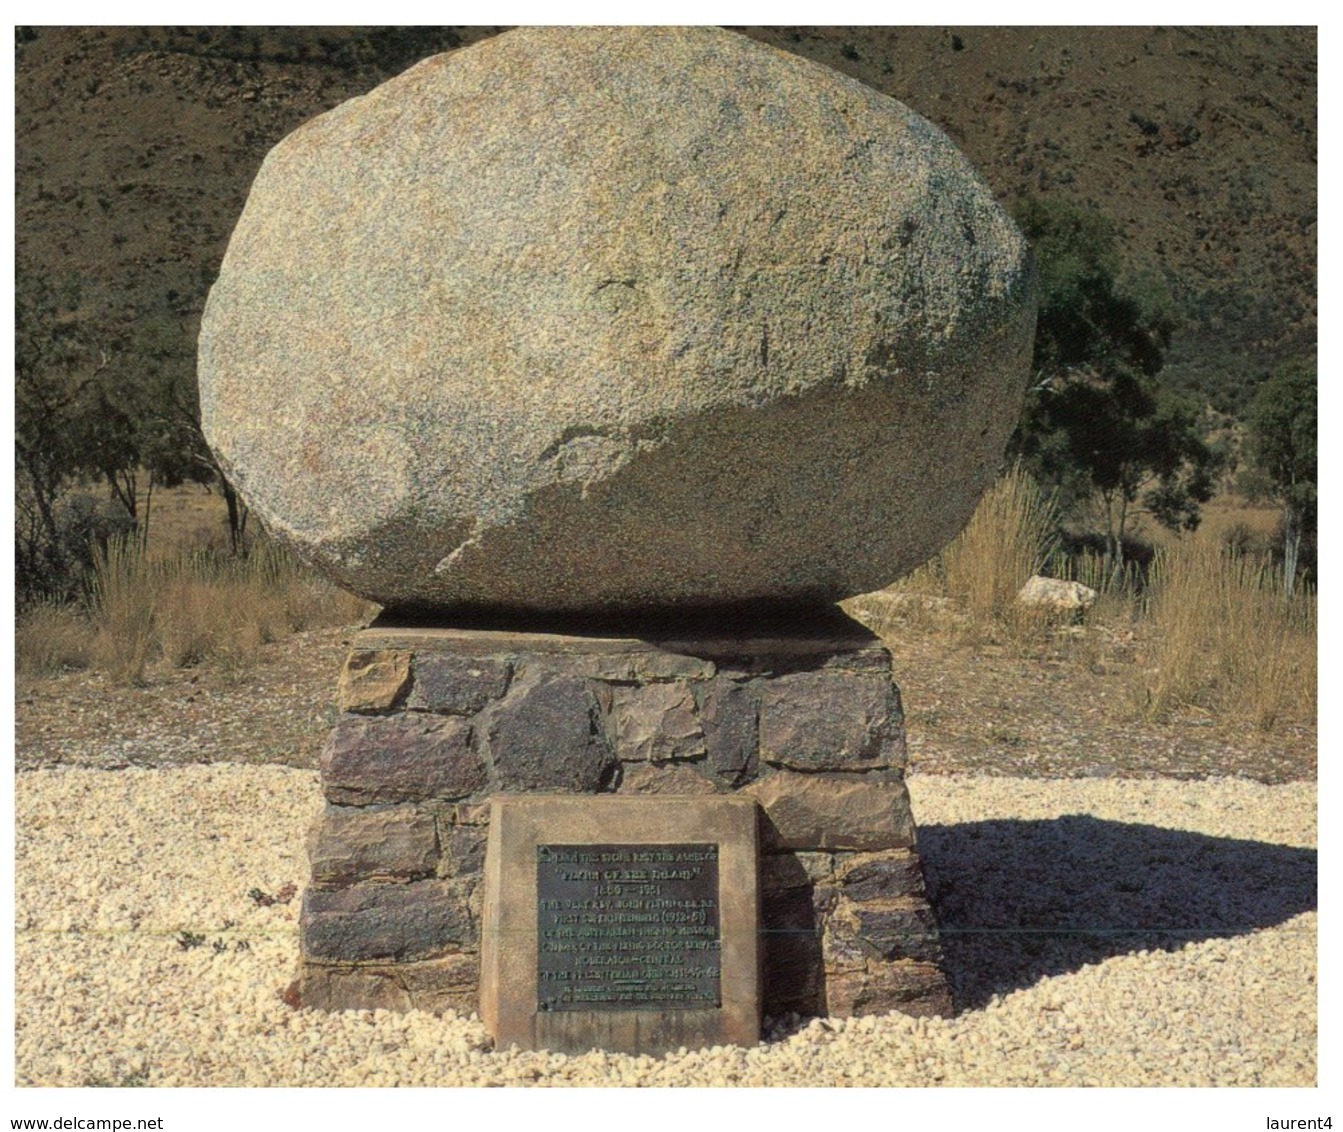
136 147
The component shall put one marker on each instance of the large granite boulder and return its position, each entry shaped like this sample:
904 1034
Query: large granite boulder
595 319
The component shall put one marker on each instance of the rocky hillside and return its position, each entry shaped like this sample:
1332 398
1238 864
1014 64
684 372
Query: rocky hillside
136 147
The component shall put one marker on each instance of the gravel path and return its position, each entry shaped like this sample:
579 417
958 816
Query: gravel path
156 930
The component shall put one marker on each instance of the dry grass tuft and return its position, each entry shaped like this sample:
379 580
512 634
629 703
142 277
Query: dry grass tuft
124 585
1121 589
970 589
184 610
1206 628
1223 637
50 638
1006 541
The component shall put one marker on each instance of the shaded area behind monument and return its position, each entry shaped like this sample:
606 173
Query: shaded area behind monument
1021 900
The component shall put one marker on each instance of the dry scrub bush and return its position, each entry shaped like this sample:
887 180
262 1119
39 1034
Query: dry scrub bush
1224 638
50 637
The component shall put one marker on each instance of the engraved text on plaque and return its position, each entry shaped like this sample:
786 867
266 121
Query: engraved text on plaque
627 927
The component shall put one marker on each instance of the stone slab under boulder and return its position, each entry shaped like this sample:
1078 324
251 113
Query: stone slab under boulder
582 319
677 712
625 352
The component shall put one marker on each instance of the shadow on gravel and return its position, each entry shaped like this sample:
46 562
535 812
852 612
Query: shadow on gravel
1020 900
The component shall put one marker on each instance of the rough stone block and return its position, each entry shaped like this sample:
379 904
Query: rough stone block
656 723
914 988
458 685
729 713
463 850
400 759
663 778
646 666
469 813
795 870
831 720
546 737
841 949
873 658
891 929
373 680
840 884
350 844
387 921
433 985
833 811
875 876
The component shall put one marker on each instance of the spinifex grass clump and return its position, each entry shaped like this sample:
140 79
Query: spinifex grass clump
1121 587
1224 637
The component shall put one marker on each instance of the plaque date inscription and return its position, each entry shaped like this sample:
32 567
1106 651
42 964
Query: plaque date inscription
627 927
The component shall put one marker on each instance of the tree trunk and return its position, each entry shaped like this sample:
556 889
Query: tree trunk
124 488
1113 566
144 526
1291 550
237 516
43 496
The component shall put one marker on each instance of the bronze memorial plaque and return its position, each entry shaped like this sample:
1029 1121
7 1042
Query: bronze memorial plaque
625 924
627 927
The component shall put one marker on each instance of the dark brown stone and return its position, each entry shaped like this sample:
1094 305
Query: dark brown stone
546 737
387 921
400 759
729 712
901 929
463 852
841 948
874 876
913 988
458 685
831 720
655 723
833 811
351 844
663 778
433 985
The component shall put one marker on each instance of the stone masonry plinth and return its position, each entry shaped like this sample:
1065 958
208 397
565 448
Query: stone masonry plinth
798 712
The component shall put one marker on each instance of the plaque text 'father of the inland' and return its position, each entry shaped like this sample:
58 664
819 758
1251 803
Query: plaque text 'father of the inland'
627 927
628 924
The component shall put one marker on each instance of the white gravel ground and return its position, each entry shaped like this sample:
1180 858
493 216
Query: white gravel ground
1201 970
